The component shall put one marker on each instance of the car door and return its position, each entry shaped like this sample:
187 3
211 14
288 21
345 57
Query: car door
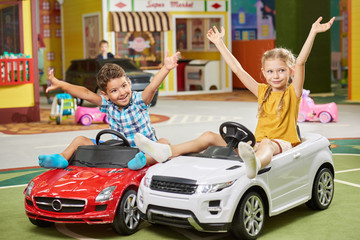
286 179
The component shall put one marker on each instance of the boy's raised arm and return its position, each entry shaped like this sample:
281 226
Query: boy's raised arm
299 75
169 64
73 90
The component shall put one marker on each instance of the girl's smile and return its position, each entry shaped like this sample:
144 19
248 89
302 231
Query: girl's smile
277 74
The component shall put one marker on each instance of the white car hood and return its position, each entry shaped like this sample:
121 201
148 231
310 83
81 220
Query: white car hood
203 170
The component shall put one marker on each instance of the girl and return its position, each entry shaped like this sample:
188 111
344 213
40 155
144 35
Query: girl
278 101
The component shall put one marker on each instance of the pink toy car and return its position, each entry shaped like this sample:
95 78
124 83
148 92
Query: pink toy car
309 111
86 116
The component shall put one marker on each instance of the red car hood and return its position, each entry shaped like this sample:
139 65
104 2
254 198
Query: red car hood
80 181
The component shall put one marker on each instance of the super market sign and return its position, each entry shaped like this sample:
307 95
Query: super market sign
168 5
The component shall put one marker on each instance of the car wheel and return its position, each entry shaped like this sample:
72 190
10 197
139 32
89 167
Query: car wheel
325 117
301 117
85 120
58 120
323 190
249 217
41 223
127 218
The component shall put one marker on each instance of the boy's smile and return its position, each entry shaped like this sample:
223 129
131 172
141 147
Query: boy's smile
118 91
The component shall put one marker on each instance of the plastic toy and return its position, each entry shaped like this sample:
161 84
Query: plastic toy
87 115
96 188
309 111
62 107
210 191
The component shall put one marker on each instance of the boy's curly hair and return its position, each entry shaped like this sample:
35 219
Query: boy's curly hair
288 57
107 72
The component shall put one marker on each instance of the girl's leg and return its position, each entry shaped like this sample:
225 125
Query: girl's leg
61 160
254 161
266 150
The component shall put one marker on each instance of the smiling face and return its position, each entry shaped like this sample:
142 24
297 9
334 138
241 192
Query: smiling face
277 73
118 91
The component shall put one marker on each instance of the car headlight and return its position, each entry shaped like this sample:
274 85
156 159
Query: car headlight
147 182
211 188
105 194
29 188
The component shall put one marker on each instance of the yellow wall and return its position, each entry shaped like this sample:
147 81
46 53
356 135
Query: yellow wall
21 95
355 50
27 27
17 96
73 12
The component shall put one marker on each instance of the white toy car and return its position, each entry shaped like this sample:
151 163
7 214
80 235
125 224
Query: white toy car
211 192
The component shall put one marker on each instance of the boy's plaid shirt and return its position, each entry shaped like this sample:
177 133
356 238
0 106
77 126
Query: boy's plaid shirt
133 118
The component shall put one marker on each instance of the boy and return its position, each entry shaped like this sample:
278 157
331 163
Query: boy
104 50
126 111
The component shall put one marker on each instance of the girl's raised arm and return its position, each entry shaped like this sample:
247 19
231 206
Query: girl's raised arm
216 38
299 75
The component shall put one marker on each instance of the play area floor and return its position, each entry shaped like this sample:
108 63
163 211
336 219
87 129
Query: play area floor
339 221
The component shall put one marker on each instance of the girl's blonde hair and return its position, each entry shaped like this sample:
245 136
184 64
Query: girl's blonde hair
288 57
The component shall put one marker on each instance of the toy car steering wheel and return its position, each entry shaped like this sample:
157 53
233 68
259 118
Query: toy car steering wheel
233 133
113 142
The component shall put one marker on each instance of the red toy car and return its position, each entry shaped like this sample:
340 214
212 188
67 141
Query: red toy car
96 188
86 116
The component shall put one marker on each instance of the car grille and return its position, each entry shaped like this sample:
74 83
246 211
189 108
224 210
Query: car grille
61 205
173 185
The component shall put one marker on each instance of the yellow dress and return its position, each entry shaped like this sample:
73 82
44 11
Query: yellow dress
273 126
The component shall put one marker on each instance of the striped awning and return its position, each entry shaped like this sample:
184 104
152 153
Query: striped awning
140 21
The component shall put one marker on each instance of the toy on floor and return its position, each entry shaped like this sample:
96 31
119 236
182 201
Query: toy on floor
87 115
62 107
309 111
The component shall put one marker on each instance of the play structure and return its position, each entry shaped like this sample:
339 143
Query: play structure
309 111
62 107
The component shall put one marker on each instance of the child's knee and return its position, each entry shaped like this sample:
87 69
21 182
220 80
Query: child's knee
81 140
210 137
164 141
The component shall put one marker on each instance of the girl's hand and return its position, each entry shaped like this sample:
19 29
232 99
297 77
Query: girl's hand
317 27
171 62
53 80
214 35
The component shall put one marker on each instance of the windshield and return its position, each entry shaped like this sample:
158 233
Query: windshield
102 156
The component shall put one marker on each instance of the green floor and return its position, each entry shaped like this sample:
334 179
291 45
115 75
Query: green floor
340 221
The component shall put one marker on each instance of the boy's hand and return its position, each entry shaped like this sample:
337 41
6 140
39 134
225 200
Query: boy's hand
214 35
53 80
171 62
317 27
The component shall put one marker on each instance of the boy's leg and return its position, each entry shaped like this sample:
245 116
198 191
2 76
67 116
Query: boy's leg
61 160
